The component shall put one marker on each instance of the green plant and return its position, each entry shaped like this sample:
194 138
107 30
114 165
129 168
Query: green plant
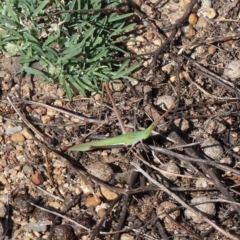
68 44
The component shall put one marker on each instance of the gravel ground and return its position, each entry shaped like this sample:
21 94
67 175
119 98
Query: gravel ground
182 183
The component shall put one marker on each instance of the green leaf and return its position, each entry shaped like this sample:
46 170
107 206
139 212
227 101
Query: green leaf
51 54
9 39
33 71
29 37
127 71
97 41
76 51
3 33
101 75
28 60
7 20
124 65
11 11
12 31
50 40
129 78
79 88
87 84
37 48
101 54
67 88
123 29
115 17
89 33
72 49
40 7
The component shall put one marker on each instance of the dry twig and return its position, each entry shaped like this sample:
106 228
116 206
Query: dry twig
180 201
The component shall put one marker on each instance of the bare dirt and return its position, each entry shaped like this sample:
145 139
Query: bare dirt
182 183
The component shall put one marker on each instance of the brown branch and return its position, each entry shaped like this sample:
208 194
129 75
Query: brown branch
208 171
98 227
219 80
180 201
24 119
60 215
88 11
124 209
115 108
176 26
199 42
85 119
192 159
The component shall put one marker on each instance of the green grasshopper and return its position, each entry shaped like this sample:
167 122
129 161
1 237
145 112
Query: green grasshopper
125 139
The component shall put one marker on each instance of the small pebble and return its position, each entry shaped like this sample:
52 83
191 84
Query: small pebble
157 42
232 69
39 226
161 212
55 204
75 120
80 231
40 215
212 126
201 183
109 195
3 210
116 85
202 23
45 119
140 39
211 13
27 169
165 102
60 92
51 112
207 208
189 31
18 137
183 124
171 168
58 103
130 43
167 68
193 18
26 134
212 148
96 96
147 63
211 50
3 163
126 236
5 86
101 212
1 228
13 130
92 201
21 202
63 232
37 178
3 179
41 110
150 36
236 149
101 170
